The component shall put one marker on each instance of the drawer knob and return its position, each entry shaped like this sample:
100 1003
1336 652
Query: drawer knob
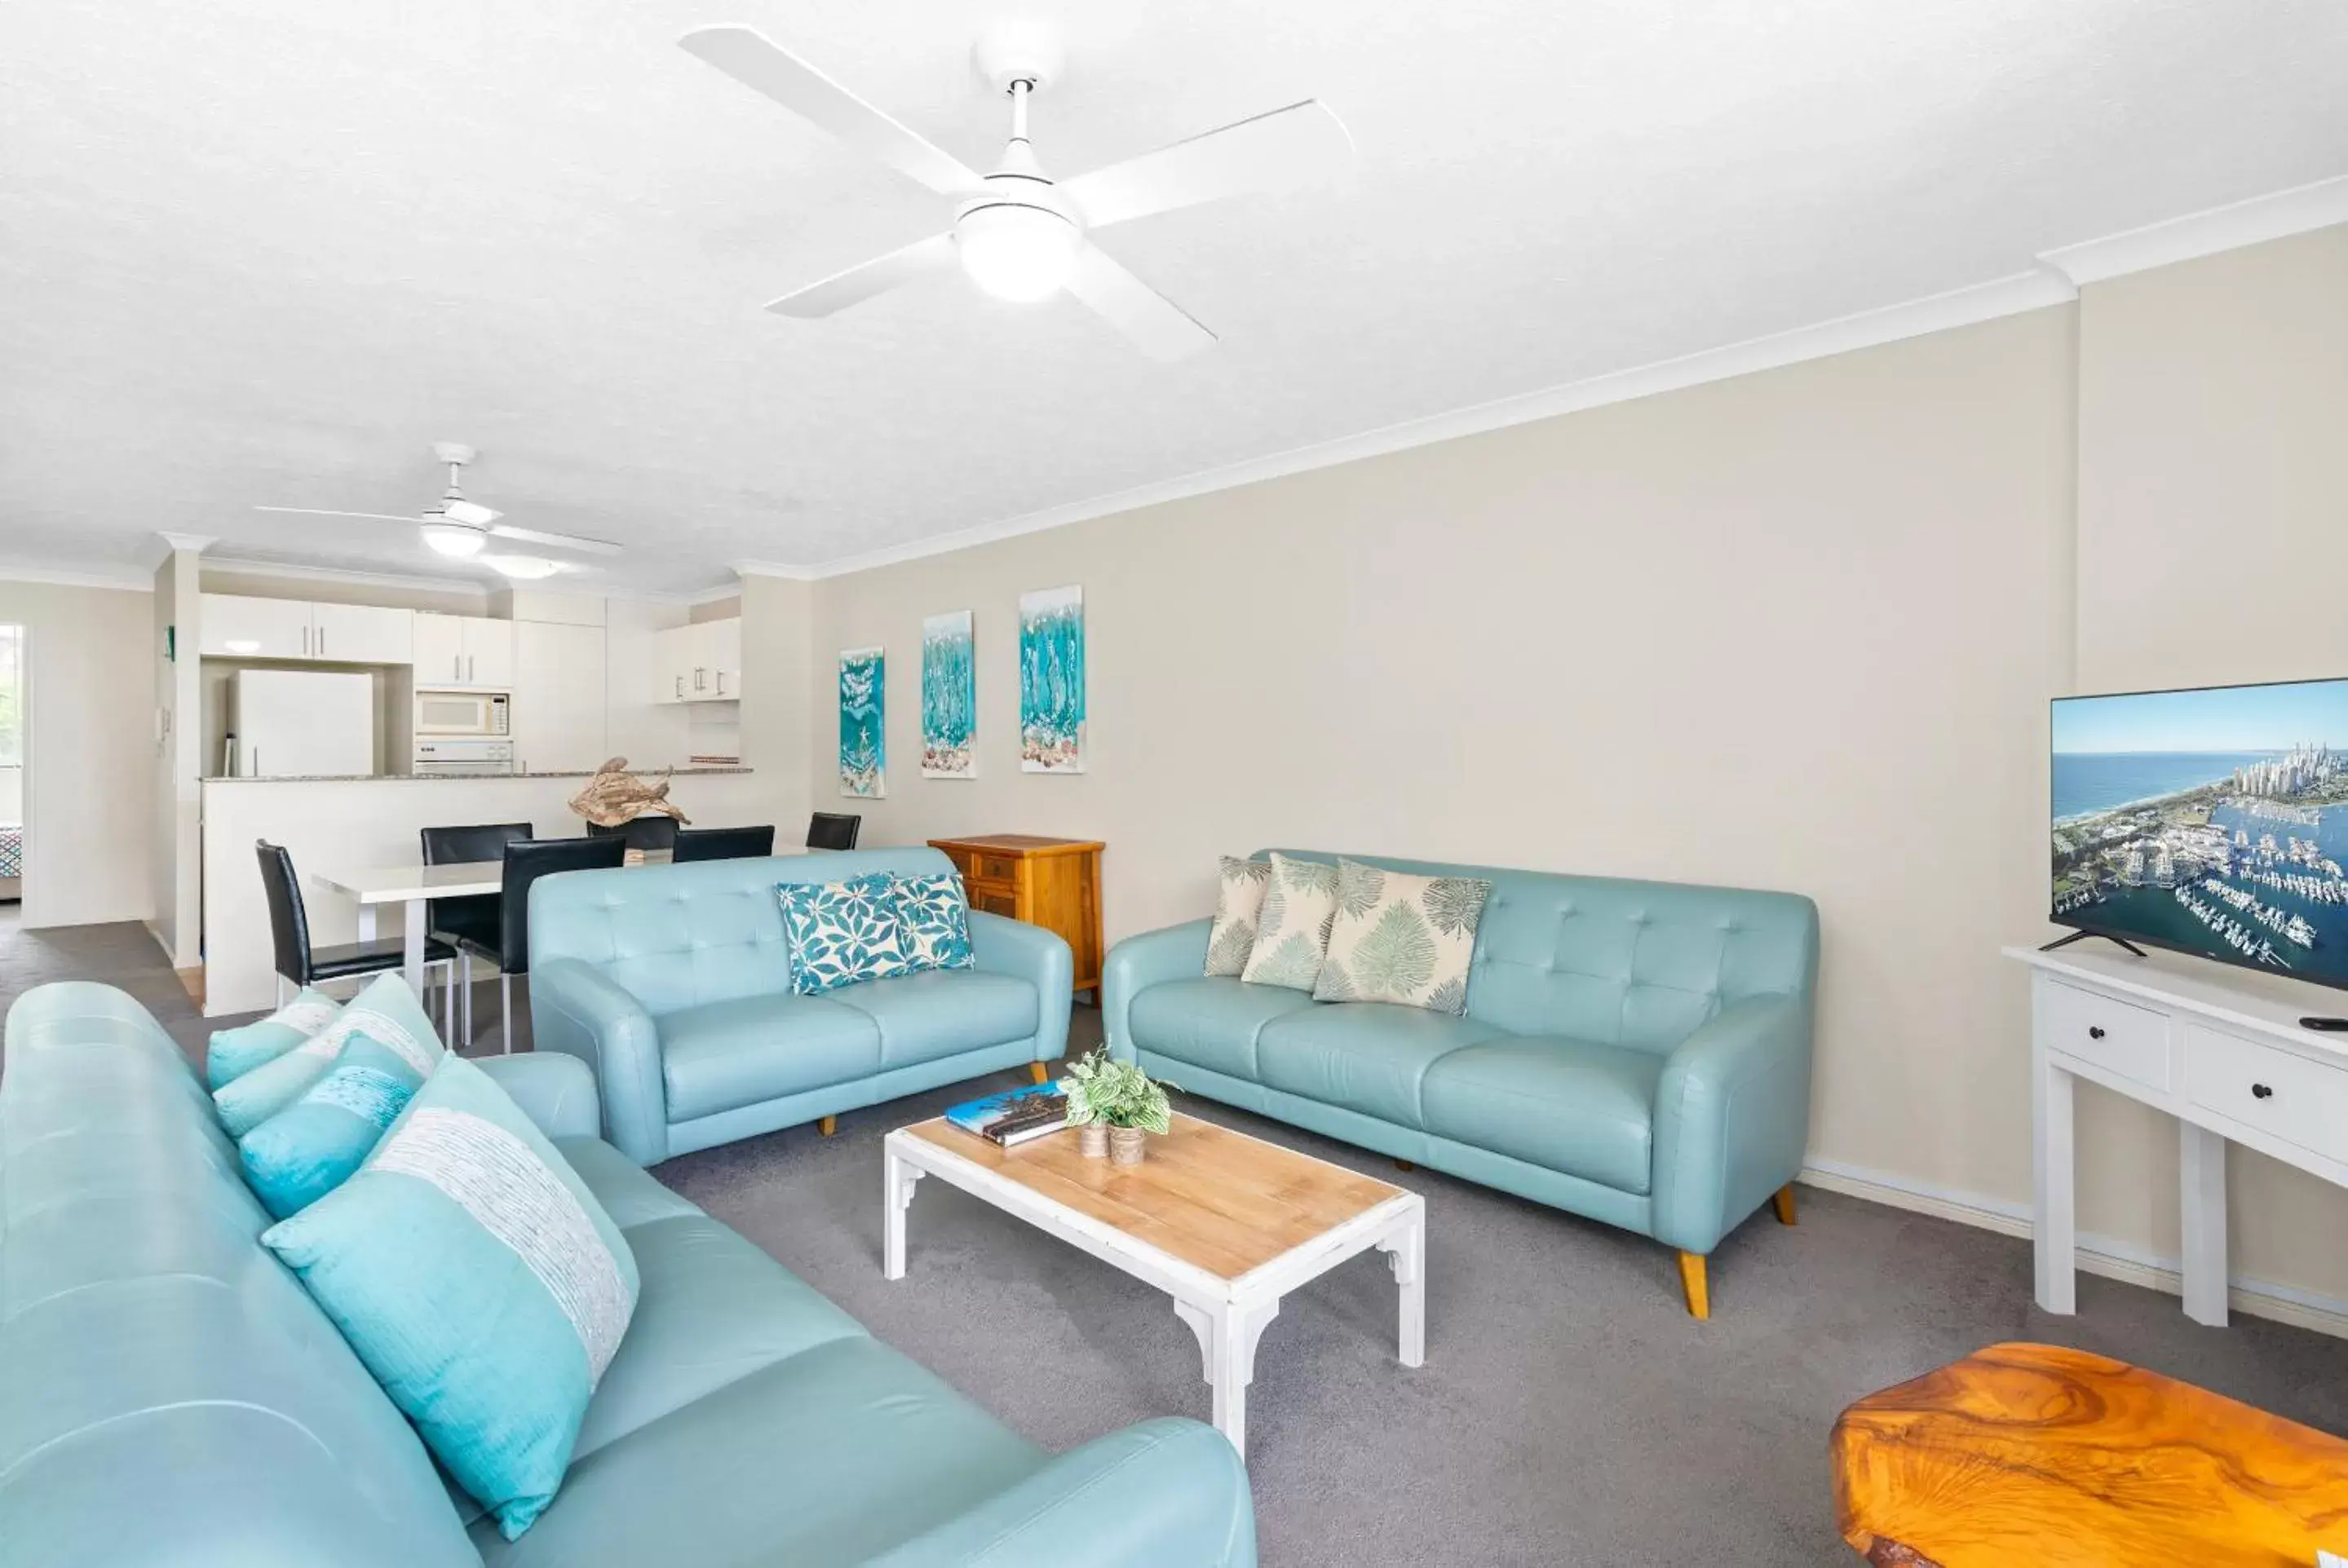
2095 1031
2260 1091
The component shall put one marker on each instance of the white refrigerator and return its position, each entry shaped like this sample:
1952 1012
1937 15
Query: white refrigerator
302 721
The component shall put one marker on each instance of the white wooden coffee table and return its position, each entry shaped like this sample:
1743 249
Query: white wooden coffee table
1225 1223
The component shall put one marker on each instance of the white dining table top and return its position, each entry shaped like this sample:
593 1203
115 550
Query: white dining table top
462 879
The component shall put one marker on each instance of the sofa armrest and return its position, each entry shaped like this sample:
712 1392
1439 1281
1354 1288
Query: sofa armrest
574 1009
1006 946
556 1091
1731 1119
1174 953
1167 1493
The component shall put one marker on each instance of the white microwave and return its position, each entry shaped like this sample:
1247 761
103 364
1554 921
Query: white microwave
476 714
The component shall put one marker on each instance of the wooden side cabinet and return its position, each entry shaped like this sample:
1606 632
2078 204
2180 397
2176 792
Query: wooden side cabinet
1053 883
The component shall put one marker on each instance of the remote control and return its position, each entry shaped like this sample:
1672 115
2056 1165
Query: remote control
2328 1025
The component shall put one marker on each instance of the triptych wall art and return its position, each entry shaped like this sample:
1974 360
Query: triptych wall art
1052 716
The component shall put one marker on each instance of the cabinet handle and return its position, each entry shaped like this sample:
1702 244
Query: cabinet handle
2260 1091
2095 1031
305 642
472 670
680 685
721 682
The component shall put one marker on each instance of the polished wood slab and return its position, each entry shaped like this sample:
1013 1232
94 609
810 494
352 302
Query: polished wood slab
2034 1454
1216 1199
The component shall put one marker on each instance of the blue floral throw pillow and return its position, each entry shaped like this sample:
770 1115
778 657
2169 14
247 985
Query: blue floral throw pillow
936 914
842 933
237 1052
478 1280
386 1011
315 1144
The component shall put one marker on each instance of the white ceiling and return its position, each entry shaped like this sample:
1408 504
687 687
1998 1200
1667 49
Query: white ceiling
268 251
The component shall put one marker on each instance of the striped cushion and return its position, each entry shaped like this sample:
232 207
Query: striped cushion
478 1280
316 1143
385 1012
237 1052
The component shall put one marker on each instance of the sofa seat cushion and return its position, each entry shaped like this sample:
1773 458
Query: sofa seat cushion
629 1196
1569 1105
1367 1057
1211 1023
747 1049
942 1012
712 1309
832 1456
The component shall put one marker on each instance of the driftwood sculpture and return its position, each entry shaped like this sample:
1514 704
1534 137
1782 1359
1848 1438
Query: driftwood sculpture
614 797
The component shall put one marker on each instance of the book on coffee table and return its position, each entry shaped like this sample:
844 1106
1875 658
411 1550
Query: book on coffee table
1015 1116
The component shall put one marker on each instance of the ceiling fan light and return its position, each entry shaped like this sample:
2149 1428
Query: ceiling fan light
1017 252
525 569
454 539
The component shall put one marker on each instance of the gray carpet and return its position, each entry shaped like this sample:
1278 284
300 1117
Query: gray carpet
1568 1412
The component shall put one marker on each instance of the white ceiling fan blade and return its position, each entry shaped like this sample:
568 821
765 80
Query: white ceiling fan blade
757 63
878 276
560 541
1272 151
471 514
1151 320
322 512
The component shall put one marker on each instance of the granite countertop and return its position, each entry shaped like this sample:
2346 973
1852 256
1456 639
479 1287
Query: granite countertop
654 774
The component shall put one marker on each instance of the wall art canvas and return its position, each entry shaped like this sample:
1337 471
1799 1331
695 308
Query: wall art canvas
1052 681
863 724
949 697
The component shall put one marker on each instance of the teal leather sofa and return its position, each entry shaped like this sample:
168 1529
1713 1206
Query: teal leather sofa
1637 1053
673 983
170 1395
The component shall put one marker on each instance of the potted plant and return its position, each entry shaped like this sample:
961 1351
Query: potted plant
1112 1104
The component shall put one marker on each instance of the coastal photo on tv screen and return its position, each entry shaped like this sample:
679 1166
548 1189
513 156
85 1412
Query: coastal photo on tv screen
2212 821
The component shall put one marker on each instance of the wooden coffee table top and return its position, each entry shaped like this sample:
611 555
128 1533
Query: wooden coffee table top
1218 1200
2031 1453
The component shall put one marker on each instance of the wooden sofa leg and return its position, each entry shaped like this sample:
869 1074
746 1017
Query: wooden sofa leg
1404 1165
1691 1280
1038 1072
828 1125
1784 1203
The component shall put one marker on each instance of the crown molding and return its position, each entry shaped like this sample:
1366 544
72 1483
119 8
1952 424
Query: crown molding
250 567
776 568
1916 318
176 541
2276 216
93 575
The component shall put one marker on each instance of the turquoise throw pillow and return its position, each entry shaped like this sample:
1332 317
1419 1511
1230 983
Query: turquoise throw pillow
844 932
385 1012
315 1144
237 1052
936 916
478 1280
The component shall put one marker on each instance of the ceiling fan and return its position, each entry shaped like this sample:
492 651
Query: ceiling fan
461 528
1019 234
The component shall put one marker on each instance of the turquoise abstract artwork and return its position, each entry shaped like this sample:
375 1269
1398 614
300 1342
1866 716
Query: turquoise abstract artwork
1052 681
949 697
864 723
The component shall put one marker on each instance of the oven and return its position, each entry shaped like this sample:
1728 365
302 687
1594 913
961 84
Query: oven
442 757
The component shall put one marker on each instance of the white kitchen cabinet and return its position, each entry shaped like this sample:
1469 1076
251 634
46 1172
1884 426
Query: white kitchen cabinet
721 649
701 662
464 651
362 635
557 696
238 627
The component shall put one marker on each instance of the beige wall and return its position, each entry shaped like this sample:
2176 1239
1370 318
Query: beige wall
1791 631
90 751
2213 547
777 711
176 853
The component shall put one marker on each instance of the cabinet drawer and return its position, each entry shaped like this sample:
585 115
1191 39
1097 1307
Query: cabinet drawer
995 868
989 898
2116 1036
2297 1099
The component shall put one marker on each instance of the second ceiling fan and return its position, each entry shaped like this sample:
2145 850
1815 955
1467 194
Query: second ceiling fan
1019 234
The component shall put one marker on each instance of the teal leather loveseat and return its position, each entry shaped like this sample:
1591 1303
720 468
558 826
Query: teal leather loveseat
1638 1052
673 984
170 1395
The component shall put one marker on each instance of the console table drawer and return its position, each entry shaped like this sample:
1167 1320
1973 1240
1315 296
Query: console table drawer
2299 1101
2116 1036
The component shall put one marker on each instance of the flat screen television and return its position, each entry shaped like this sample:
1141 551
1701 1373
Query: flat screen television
2212 821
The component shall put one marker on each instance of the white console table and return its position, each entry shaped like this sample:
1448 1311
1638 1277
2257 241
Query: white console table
2224 1054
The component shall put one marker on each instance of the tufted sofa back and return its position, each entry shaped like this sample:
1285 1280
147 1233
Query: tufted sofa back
1636 964
679 936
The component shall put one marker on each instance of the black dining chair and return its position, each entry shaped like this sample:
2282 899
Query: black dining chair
301 964
725 843
447 919
643 833
833 830
527 860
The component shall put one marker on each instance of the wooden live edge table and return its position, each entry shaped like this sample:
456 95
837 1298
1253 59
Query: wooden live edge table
1053 883
2028 1454
1225 1223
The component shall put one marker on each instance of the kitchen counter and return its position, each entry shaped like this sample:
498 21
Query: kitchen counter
655 775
